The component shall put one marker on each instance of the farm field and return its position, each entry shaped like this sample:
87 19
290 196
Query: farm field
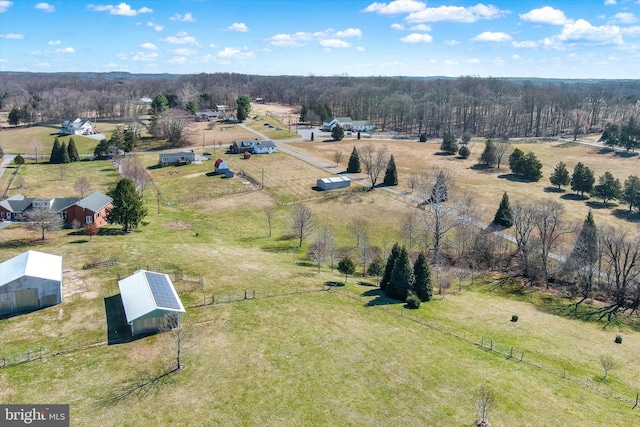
489 185
345 356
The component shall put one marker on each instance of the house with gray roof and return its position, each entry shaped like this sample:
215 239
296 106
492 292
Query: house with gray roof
76 126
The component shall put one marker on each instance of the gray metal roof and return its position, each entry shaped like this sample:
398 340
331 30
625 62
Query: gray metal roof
139 298
95 201
32 264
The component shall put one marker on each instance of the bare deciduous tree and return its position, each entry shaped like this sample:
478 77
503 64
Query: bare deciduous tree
176 126
36 149
269 213
410 228
607 364
485 400
82 185
302 222
524 222
323 247
134 169
43 219
337 156
502 148
177 338
548 221
359 228
374 161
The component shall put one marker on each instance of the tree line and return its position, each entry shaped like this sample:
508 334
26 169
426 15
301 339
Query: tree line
429 106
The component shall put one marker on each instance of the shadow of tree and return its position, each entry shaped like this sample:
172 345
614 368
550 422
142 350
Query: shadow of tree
626 215
574 196
554 190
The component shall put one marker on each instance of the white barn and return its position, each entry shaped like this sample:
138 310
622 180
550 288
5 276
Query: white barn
148 299
30 281
333 182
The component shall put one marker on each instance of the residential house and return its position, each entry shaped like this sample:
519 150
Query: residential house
76 126
239 147
181 158
361 126
30 281
207 115
264 147
344 122
92 208
144 101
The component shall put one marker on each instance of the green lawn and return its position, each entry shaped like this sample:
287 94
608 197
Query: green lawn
314 358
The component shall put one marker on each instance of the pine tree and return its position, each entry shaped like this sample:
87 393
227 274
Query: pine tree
449 143
354 162
422 286
504 215
608 188
582 179
128 207
55 152
391 259
391 174
64 154
402 277
72 151
560 175
489 157
337 133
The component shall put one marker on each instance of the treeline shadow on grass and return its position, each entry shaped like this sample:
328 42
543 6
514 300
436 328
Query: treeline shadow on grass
380 298
626 215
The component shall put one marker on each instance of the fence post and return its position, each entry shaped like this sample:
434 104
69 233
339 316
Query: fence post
636 404
482 342
254 293
491 345
511 353
28 355
521 356
4 365
213 299
245 294
40 357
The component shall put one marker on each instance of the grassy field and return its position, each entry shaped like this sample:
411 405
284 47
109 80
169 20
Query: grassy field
313 358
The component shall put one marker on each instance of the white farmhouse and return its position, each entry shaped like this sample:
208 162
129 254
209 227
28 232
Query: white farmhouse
76 126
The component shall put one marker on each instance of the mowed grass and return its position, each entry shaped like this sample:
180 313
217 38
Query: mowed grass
318 358
310 359
21 141
489 185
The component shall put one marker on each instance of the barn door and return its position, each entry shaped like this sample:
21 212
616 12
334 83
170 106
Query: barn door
26 300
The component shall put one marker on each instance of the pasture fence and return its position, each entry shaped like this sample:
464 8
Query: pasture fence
509 352
208 300
11 178
20 358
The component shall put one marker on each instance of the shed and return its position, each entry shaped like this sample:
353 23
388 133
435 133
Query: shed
222 168
30 281
333 182
148 299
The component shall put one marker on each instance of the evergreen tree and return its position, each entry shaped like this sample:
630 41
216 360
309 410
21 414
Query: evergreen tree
449 143
354 162
18 160
608 188
72 151
402 278
631 193
128 209
55 152
582 179
560 175
102 150
337 133
391 174
376 267
504 215
422 286
531 167
244 107
489 156
64 154
391 259
464 152
515 161
611 135
14 116
346 266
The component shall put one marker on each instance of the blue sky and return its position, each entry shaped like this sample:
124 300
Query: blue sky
554 38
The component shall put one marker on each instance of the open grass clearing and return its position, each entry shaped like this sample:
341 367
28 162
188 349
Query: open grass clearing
489 185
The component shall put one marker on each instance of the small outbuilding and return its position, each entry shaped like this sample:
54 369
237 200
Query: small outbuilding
222 168
30 281
333 182
148 298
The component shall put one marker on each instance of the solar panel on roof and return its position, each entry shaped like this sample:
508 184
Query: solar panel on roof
162 291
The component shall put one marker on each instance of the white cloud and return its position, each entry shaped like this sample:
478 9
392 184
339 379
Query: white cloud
238 26
456 14
212 45
609 2
12 36
188 17
397 27
546 15
527 44
46 7
490 36
451 42
301 38
144 56
360 49
181 38
122 9
149 46
498 61
234 53
4 5
65 50
54 42
631 31
349 32
156 27
625 18
396 7
472 61
177 60
331 43
450 62
183 51
417 38
583 31
420 27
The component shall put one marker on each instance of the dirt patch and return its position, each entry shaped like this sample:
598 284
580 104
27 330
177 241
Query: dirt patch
71 284
179 225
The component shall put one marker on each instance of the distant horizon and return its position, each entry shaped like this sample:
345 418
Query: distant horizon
554 39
